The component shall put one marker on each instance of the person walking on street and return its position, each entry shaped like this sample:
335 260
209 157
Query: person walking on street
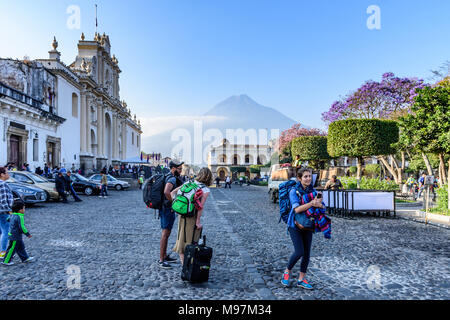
141 182
69 186
60 184
166 214
228 182
301 237
421 185
104 182
16 229
190 228
217 182
6 202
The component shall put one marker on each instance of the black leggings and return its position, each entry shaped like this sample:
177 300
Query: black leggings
302 245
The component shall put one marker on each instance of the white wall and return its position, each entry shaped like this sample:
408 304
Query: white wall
69 131
132 149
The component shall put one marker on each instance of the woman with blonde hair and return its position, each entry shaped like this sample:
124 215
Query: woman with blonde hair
189 228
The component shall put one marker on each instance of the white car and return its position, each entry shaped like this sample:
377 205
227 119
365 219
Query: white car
112 182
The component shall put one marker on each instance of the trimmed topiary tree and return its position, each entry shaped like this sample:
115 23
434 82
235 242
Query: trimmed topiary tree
361 137
310 148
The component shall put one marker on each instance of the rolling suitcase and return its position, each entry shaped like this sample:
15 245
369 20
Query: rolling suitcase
197 262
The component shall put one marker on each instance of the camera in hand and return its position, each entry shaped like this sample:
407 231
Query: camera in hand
319 195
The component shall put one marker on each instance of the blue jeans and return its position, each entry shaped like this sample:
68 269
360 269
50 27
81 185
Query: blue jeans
302 241
74 194
4 227
104 191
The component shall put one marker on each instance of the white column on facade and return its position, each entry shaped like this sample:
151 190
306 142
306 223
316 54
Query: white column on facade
124 140
83 123
88 124
113 138
99 128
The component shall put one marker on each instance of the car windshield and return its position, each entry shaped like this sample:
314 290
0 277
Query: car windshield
80 177
111 178
38 178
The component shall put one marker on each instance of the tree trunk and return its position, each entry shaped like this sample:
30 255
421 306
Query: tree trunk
394 171
427 163
359 163
448 185
442 175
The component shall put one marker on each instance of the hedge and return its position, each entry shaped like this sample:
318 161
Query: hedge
310 148
362 137
369 184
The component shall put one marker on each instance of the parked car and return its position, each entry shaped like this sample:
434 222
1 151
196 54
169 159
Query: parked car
27 193
82 184
112 182
35 180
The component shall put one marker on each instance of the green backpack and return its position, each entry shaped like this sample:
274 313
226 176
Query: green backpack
183 204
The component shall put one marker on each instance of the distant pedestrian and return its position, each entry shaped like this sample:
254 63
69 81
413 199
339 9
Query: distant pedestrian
141 181
6 203
217 182
104 182
16 229
228 182
60 184
421 184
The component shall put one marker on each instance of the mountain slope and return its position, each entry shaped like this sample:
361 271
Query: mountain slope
236 112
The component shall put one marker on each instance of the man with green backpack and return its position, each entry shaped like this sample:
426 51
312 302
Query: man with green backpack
166 214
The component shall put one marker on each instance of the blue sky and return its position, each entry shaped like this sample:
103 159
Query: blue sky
182 57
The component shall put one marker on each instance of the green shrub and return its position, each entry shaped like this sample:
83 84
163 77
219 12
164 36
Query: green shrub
310 148
442 198
372 169
362 137
369 184
352 169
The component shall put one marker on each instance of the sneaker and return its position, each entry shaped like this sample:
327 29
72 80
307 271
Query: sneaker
285 280
2 254
8 264
164 265
100 196
170 259
304 284
29 259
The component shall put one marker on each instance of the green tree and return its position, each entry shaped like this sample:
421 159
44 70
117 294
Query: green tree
311 148
362 137
427 127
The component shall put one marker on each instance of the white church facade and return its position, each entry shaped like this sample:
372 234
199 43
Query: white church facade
63 115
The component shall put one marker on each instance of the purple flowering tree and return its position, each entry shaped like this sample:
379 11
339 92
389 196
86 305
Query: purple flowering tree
390 98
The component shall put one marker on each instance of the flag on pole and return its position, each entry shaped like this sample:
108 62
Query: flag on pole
141 155
148 158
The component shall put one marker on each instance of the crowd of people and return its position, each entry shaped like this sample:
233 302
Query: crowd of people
303 198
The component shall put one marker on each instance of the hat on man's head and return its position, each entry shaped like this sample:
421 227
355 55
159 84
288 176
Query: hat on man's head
175 163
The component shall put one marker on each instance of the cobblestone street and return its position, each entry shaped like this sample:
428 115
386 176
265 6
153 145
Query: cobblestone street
115 244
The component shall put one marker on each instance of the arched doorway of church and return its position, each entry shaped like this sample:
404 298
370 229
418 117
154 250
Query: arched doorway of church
221 173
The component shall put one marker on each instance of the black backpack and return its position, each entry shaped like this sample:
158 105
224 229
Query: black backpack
153 190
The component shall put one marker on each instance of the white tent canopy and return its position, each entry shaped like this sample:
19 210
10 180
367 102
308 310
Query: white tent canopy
136 159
